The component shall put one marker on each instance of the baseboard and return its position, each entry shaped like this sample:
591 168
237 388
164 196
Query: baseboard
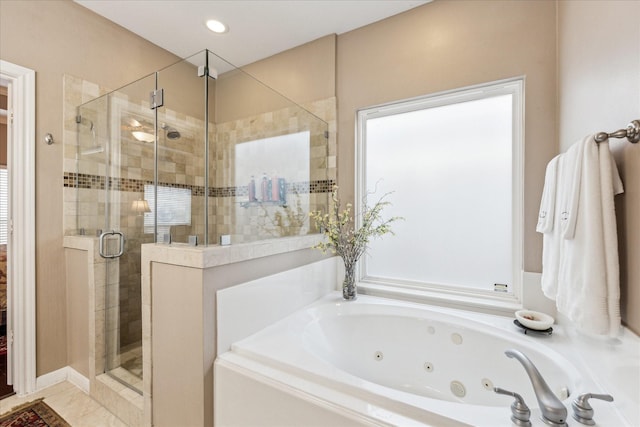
51 378
77 379
63 374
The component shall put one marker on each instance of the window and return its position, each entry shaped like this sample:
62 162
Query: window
174 208
253 158
452 161
4 206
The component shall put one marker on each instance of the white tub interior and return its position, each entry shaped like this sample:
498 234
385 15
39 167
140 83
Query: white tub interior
428 354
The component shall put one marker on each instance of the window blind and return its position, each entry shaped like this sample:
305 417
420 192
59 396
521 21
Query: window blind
174 206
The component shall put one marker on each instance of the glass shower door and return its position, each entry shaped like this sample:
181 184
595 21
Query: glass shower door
115 165
130 171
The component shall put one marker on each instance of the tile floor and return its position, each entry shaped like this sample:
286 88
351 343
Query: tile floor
76 407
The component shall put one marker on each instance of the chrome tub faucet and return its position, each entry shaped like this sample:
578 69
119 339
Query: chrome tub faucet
554 412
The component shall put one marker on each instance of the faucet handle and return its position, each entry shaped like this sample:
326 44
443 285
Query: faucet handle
520 412
582 410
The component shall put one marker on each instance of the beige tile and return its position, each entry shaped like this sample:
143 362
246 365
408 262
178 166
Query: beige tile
99 418
75 406
13 401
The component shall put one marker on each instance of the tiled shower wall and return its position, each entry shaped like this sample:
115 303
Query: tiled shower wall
247 222
180 165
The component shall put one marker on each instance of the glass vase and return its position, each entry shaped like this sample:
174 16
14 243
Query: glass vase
349 291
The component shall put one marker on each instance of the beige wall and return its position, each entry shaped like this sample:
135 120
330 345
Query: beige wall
599 90
54 38
450 44
178 348
303 74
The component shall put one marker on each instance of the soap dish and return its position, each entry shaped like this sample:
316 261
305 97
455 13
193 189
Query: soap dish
527 330
534 319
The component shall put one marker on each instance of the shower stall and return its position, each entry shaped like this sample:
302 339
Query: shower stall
194 153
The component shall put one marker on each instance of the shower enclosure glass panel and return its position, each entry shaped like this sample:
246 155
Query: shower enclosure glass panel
130 168
269 165
181 147
89 179
115 164
199 148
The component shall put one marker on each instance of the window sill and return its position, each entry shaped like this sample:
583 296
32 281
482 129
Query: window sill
499 306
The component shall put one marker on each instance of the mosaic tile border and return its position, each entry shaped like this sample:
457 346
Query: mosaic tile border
97 182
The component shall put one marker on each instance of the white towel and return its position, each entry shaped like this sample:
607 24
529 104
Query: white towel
548 202
567 193
571 185
548 224
581 251
611 185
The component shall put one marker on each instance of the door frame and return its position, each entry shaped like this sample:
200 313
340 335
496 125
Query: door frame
21 300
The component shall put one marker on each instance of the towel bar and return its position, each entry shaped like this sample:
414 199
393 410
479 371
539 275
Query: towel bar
632 133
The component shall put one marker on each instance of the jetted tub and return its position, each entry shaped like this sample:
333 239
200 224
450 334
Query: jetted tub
387 362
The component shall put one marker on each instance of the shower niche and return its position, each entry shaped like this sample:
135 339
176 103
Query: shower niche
195 151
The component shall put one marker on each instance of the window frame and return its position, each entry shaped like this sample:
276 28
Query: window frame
445 294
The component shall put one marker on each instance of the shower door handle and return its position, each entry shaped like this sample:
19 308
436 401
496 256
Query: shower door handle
121 240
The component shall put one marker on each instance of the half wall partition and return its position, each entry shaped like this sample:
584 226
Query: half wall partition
197 151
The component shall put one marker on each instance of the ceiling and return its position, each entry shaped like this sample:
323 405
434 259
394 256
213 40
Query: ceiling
257 28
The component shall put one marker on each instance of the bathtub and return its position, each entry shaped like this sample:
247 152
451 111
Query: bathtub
376 361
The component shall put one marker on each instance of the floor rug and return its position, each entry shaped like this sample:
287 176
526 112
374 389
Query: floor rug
33 414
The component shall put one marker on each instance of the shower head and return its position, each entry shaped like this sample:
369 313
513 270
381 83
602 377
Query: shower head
172 133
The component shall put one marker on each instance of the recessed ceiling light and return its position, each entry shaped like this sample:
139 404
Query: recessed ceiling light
216 26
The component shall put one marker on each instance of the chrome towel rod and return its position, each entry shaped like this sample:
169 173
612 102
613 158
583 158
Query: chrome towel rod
632 133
